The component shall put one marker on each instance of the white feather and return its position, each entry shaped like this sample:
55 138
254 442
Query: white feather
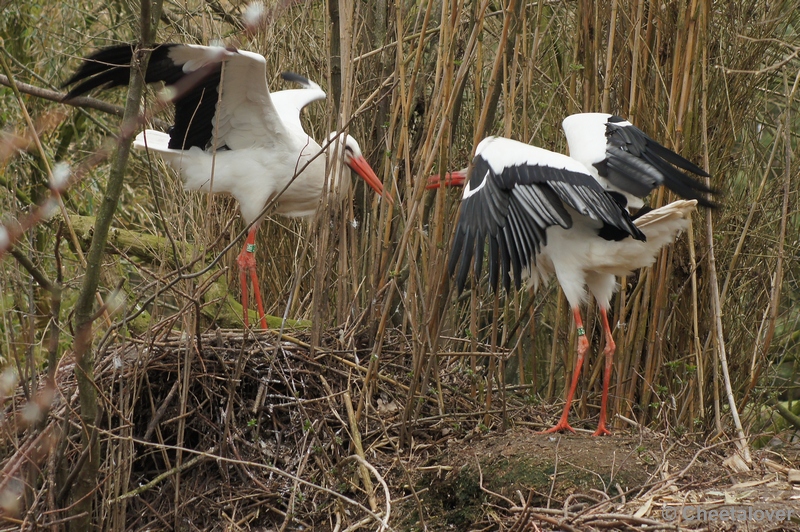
290 102
252 175
578 257
469 192
586 137
193 56
503 153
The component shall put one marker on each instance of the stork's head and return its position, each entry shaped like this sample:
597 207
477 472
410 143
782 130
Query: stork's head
346 148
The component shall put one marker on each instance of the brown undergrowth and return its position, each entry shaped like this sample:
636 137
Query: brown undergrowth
204 432
225 431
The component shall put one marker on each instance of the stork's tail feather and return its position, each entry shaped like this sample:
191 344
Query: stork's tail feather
193 165
661 227
153 140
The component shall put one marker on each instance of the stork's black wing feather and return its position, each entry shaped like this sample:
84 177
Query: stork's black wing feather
111 67
513 194
637 164
195 104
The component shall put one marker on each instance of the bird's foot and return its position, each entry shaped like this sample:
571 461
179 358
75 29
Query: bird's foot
561 426
601 431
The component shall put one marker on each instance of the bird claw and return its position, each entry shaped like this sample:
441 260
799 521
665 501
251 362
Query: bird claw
601 431
561 426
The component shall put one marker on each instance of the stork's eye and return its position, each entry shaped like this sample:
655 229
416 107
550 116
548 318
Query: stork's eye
348 150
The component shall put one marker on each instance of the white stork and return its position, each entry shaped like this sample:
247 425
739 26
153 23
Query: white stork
232 135
546 214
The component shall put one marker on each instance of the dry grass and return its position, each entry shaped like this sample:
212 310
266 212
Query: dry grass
420 86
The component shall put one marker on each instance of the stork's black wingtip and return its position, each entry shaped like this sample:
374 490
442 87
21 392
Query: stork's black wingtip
73 79
460 286
294 77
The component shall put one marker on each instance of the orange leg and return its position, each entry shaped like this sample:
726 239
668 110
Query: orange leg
583 346
247 262
609 356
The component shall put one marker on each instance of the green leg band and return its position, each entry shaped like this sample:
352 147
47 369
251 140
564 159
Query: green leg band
251 248
581 332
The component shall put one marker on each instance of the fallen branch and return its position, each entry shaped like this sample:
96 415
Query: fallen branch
80 101
166 474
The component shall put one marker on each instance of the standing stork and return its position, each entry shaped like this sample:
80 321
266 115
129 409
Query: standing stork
545 214
232 135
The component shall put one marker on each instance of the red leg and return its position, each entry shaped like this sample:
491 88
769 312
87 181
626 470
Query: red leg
247 262
243 284
259 303
583 346
609 356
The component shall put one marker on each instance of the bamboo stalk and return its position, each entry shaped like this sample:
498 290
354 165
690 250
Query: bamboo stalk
359 450
554 349
635 60
719 336
85 355
612 32
698 350
763 341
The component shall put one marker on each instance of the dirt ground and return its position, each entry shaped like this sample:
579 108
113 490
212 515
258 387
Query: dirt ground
521 480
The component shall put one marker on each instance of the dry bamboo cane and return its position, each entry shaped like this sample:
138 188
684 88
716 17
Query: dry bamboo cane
612 32
719 337
419 189
763 341
636 50
638 330
407 244
698 351
551 373
491 373
434 300
433 361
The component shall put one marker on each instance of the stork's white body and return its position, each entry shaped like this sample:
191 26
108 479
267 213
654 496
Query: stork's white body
572 250
232 135
579 259
265 143
253 175
545 214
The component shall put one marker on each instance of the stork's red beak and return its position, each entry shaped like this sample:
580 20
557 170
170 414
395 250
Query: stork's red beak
451 179
362 168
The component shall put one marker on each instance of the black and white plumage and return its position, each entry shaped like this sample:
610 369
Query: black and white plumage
545 214
626 161
514 194
231 134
